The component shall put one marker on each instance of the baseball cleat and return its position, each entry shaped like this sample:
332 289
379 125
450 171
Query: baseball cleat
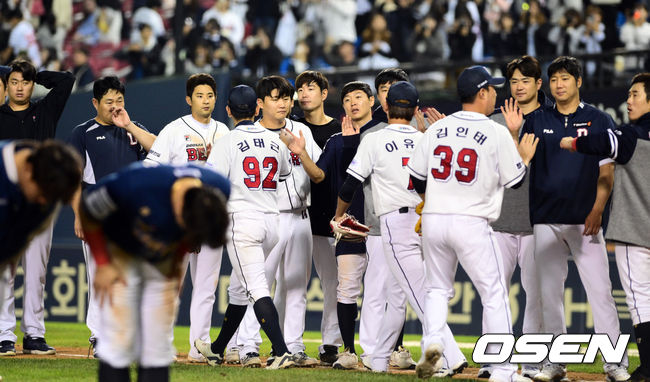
232 356
205 348
616 373
530 371
428 364
196 359
328 356
550 372
37 345
284 361
402 359
7 348
303 360
252 360
346 361
366 361
484 372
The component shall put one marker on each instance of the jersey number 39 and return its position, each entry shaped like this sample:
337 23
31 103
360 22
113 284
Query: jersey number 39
467 161
254 172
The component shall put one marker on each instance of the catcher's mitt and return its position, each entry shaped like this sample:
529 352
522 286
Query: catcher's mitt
349 229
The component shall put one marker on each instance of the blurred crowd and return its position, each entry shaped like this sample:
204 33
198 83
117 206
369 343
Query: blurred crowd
136 38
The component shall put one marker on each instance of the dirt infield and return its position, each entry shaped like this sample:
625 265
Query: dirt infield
469 373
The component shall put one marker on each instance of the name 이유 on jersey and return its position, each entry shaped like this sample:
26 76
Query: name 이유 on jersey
462 132
392 146
257 142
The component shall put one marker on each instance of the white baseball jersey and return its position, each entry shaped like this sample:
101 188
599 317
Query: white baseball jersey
185 140
254 159
384 155
467 160
295 193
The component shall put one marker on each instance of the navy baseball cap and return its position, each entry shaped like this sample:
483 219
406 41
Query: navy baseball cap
472 79
242 99
402 94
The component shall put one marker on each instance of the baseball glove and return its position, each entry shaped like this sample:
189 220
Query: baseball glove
349 229
418 225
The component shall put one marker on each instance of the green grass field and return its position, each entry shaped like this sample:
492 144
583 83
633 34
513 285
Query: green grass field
78 369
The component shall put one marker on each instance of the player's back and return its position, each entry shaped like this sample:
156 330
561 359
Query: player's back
254 160
467 160
385 154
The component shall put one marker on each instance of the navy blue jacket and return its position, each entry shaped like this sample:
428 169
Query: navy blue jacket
134 207
618 144
334 162
19 219
562 184
108 148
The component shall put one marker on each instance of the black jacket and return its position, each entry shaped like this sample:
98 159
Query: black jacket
41 117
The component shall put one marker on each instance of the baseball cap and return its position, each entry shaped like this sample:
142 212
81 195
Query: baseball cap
242 99
402 94
472 79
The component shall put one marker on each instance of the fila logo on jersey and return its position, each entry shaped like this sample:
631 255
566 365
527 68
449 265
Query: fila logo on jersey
101 137
187 138
548 131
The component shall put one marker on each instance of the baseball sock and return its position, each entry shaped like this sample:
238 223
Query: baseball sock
231 320
153 374
268 318
108 373
400 339
347 314
642 334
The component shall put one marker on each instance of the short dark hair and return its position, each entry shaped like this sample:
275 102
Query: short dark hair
25 67
309 76
3 78
104 84
56 169
570 64
399 112
390 75
355 85
15 13
200 79
266 85
205 216
527 65
643 78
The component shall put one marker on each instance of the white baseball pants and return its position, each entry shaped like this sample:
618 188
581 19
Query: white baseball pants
93 318
468 240
324 255
403 254
290 261
135 327
634 270
553 245
34 263
375 298
519 249
204 271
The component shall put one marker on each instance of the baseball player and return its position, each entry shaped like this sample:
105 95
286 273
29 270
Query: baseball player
140 223
313 88
384 155
23 118
512 231
629 147
568 195
35 178
255 160
291 256
107 143
189 139
452 169
375 299
351 260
